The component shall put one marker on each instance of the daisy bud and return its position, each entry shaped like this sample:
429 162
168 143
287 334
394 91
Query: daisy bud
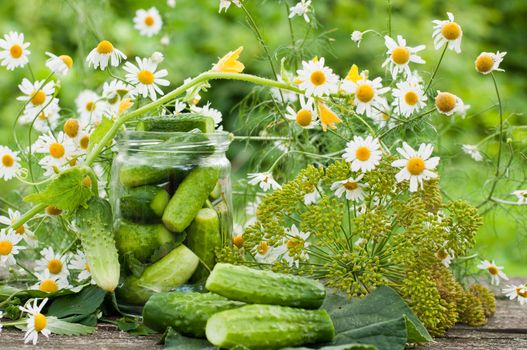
157 57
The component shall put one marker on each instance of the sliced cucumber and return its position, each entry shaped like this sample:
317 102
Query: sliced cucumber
182 123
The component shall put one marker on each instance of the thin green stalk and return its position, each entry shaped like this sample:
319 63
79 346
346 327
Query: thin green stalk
28 215
436 69
389 18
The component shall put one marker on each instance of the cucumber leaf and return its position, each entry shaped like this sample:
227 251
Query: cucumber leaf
133 264
386 335
61 327
99 132
354 346
84 303
175 341
67 191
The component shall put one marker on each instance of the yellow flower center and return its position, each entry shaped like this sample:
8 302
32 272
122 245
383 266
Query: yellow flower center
521 292
21 230
350 185
5 247
263 248
294 242
451 31
363 153
38 98
493 270
365 93
442 254
84 142
145 77
411 98
87 267
16 51
8 160
42 116
72 161
48 286
149 21
53 211
104 47
318 77
304 117
56 150
40 322
484 63
86 181
71 127
238 241
68 61
445 102
90 106
416 166
401 55
55 266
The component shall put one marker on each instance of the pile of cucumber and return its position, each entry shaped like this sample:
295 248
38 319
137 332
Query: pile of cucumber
246 307
169 222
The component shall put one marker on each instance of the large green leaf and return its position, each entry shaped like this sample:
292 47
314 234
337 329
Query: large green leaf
386 335
61 327
67 191
84 303
175 341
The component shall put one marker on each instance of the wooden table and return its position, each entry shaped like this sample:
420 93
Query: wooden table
506 330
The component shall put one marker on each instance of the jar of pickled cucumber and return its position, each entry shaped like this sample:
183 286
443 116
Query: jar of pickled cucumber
171 198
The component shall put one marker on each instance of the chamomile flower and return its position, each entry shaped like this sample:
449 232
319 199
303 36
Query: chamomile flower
78 262
266 253
264 180
518 292
225 4
301 9
37 94
50 283
521 195
447 32
296 246
57 149
9 246
22 230
157 57
367 95
171 3
445 255
363 154
487 62
352 188
283 96
495 271
306 116
356 37
448 104
409 97
148 22
44 119
145 78
103 54
60 65
165 40
316 79
416 166
115 90
400 55
14 51
473 152
9 163
382 114
312 196
180 106
230 62
208 111
36 323
53 263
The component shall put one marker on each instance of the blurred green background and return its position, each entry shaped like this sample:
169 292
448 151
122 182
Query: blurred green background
198 35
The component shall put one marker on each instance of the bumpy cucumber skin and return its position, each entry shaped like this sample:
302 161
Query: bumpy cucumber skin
187 313
141 240
269 327
177 124
137 175
95 232
265 287
189 198
144 204
203 237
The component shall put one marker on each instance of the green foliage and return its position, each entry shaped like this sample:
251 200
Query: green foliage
84 303
60 327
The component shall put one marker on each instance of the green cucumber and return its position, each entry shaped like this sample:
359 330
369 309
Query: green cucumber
144 204
141 240
269 327
182 123
95 223
265 287
216 192
137 175
203 237
189 198
187 313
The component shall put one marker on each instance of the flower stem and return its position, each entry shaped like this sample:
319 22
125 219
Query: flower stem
28 215
436 69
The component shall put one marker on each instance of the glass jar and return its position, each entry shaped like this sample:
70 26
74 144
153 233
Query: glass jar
171 198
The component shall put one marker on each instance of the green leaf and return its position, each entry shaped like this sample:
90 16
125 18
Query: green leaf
383 304
61 327
99 132
353 346
87 320
387 335
135 266
67 191
84 303
175 341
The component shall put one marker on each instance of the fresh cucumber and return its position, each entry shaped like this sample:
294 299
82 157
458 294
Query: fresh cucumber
265 287
132 175
216 192
189 198
186 312
203 237
269 327
144 204
95 223
141 240
182 123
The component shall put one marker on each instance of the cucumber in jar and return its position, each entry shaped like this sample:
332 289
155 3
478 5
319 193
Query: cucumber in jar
181 123
144 204
141 240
